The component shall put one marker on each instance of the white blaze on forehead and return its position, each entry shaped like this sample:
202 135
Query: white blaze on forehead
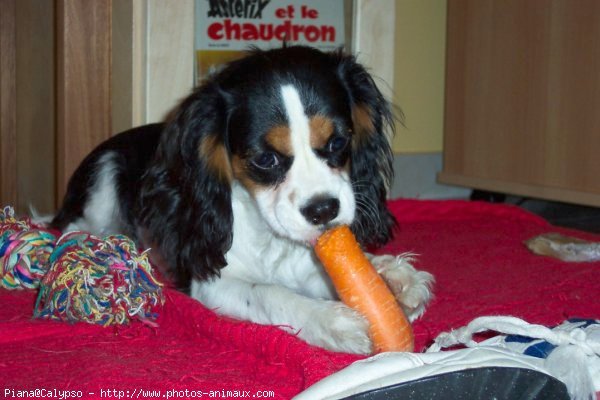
298 122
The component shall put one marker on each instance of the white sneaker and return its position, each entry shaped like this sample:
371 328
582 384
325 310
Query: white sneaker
531 362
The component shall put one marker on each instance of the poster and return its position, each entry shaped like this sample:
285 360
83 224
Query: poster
225 29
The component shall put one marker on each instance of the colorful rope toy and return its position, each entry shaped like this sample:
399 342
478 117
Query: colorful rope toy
24 252
80 277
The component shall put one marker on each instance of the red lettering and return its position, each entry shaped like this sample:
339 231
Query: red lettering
309 12
291 11
282 32
287 12
312 33
249 32
327 33
266 32
232 30
297 30
229 30
280 13
214 31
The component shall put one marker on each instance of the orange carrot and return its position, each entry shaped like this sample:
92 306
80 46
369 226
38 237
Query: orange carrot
360 287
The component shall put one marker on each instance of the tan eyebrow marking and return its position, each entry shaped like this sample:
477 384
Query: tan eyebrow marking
321 129
279 138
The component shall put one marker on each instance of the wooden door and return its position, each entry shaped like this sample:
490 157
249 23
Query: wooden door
522 98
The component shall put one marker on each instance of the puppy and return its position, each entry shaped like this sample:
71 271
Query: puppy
231 192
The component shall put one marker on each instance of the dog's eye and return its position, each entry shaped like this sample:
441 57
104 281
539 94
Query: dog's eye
337 143
266 160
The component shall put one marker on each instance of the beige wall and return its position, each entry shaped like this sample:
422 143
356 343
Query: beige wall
420 40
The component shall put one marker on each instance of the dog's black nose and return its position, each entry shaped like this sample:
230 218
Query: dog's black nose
321 210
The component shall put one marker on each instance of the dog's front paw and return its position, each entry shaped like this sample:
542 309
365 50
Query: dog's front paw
336 327
412 288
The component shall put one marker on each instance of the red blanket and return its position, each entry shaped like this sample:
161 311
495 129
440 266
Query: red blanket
474 250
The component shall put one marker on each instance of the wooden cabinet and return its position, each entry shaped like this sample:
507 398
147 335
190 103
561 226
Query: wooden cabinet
73 73
55 104
522 101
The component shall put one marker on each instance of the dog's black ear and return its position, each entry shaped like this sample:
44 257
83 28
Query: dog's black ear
185 207
371 156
